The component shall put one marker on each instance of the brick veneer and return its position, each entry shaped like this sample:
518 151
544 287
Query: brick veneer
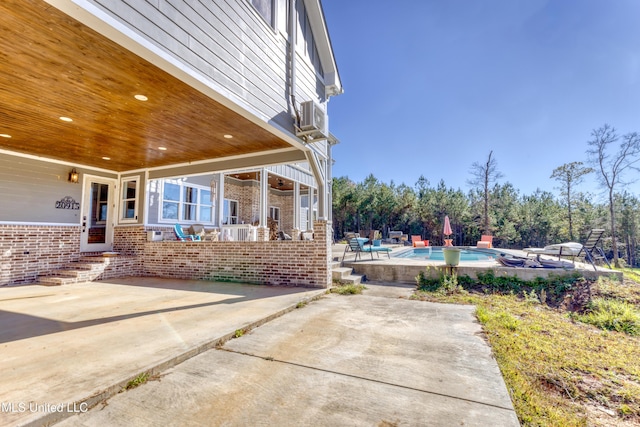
29 250
290 263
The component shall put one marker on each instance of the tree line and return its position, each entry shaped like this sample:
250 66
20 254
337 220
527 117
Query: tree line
491 207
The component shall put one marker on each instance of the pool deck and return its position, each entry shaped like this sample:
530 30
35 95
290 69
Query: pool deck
404 270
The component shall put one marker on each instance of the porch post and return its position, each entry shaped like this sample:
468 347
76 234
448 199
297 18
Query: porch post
264 202
220 199
296 210
310 211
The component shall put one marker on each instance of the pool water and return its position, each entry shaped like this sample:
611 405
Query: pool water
435 253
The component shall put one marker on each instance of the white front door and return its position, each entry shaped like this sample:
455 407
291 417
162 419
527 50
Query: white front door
97 214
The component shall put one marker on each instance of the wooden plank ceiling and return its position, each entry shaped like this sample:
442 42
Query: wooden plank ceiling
52 66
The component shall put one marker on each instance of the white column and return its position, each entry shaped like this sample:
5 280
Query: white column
310 211
220 199
264 197
296 207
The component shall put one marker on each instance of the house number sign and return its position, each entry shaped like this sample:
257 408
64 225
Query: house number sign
67 202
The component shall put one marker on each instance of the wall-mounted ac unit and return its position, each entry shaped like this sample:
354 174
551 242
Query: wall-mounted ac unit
314 120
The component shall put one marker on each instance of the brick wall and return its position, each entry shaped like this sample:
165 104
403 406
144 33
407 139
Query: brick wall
248 197
289 263
27 250
284 201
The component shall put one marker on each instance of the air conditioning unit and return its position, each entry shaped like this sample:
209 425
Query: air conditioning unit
154 236
314 120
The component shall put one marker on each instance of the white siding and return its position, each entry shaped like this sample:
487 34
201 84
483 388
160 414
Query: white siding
227 41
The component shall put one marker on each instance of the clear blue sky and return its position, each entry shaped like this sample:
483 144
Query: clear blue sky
432 86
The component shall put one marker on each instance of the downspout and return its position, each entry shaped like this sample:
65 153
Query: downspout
292 58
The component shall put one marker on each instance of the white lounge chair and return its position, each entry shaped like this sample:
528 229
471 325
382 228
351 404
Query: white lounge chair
571 249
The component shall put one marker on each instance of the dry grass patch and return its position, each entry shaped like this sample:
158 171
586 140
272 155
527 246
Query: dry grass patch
560 371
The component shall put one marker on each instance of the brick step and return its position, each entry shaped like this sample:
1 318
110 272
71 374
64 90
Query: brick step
80 275
85 269
56 280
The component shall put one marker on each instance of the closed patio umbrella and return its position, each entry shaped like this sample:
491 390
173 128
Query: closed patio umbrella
447 231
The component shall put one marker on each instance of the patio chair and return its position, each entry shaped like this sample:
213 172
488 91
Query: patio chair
486 241
357 245
180 234
590 250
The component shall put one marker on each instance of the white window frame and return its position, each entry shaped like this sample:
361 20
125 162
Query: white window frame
124 199
227 202
276 210
274 13
182 203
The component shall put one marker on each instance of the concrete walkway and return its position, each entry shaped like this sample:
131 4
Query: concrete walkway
376 359
69 347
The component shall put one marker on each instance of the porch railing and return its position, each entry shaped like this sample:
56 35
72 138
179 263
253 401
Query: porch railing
239 233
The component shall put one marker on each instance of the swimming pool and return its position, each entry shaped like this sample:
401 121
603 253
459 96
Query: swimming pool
434 253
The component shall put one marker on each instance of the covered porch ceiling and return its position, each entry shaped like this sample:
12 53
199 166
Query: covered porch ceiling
54 67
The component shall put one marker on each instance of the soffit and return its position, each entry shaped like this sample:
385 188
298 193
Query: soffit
53 66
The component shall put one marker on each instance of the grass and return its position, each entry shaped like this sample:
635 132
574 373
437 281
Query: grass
349 289
137 381
561 368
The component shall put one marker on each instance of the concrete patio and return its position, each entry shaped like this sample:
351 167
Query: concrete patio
79 344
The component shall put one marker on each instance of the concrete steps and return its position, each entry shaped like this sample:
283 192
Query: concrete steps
85 269
344 275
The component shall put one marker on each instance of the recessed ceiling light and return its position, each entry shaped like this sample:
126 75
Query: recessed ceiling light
66 119
5 135
162 148
141 97
106 158
228 136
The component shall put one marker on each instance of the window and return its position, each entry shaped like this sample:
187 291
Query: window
274 214
100 203
230 212
265 9
275 12
186 202
305 40
282 16
128 203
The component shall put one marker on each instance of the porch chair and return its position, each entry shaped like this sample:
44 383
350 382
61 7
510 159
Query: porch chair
486 241
417 242
180 234
357 245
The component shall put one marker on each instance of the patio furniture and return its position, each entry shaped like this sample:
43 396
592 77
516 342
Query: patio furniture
182 236
590 249
395 235
486 242
357 245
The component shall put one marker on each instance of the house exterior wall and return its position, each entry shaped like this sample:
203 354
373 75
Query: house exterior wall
28 250
29 190
246 60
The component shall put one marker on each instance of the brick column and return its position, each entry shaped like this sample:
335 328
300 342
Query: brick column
321 235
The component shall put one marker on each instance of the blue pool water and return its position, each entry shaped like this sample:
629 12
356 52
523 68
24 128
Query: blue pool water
435 253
